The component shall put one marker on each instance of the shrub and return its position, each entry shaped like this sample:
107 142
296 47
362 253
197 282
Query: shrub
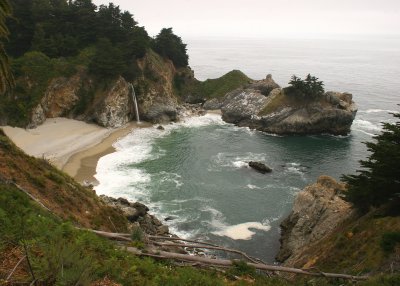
389 241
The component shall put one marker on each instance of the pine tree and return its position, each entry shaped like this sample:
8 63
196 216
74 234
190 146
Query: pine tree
378 182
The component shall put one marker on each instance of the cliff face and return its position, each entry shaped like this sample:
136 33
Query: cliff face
265 107
155 90
317 211
81 97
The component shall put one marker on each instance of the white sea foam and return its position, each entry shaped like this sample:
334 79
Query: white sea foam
252 187
116 178
242 231
237 232
366 126
377 111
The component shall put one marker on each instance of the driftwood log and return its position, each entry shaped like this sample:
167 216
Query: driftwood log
217 262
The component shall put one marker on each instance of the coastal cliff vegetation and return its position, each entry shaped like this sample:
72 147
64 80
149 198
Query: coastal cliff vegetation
53 39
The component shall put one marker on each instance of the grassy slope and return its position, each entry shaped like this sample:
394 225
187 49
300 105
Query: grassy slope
214 88
357 247
56 190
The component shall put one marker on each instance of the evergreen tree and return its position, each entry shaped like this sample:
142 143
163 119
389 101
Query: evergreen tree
108 62
170 46
311 87
378 182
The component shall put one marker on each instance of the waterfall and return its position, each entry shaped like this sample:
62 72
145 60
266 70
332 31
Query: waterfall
135 103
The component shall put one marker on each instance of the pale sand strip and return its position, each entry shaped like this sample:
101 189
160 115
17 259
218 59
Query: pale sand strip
57 138
82 165
70 145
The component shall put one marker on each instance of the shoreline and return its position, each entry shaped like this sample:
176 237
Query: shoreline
82 164
72 146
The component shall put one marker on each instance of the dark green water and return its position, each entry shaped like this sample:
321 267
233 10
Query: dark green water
196 173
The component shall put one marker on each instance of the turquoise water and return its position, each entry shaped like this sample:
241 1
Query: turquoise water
195 172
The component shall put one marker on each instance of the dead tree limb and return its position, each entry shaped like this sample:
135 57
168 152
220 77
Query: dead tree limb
208 247
15 268
225 262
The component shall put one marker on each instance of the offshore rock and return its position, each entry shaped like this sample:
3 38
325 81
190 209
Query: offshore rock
317 211
279 113
260 167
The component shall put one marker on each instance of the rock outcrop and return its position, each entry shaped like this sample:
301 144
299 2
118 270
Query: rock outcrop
62 95
137 213
37 117
116 107
82 97
283 114
317 211
157 100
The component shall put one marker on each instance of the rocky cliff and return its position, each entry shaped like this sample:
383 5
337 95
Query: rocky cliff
264 106
317 211
110 104
157 100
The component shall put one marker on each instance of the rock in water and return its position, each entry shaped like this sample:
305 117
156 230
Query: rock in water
260 167
317 211
279 113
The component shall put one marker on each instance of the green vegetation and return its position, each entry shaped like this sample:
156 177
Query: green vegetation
33 71
215 88
309 88
211 88
62 255
378 182
390 240
169 45
49 39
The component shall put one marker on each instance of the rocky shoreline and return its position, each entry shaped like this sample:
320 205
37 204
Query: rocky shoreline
137 214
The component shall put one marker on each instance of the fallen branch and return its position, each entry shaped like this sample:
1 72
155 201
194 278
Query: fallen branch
225 262
109 235
156 237
208 247
15 268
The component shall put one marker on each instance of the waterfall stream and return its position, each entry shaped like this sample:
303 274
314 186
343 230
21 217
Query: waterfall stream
135 103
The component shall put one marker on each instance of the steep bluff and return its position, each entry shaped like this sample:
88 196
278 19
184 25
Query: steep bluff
317 211
110 104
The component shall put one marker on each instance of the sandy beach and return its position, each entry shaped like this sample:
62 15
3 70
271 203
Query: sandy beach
71 145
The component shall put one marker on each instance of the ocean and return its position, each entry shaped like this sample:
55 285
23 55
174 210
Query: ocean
195 172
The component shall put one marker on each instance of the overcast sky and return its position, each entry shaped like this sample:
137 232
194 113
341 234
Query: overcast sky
264 18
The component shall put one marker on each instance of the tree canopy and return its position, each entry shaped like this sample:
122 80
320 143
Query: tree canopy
310 87
378 182
66 28
169 45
